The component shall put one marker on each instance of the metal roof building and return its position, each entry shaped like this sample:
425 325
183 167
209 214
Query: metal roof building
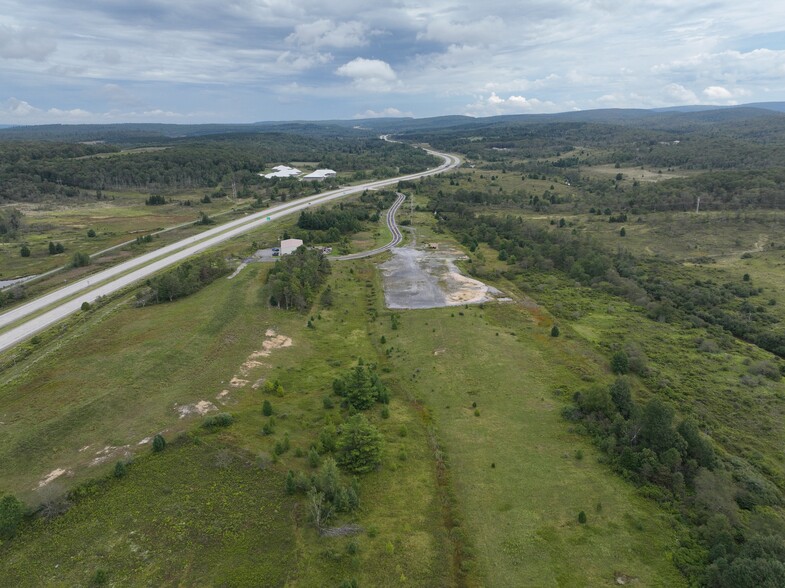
282 171
319 175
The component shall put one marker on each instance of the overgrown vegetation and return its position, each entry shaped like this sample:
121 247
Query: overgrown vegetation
296 279
185 279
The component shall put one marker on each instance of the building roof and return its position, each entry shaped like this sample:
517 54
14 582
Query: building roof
320 174
290 246
283 171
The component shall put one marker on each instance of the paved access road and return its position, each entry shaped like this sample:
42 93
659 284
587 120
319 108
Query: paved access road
55 306
397 237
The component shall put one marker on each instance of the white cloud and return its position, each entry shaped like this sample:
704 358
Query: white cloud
717 93
494 105
680 94
386 113
325 33
303 62
24 113
372 75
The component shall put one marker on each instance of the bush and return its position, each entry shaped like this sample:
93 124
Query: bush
24 251
582 518
119 469
554 331
222 419
85 306
11 513
159 443
620 363
80 259
91 233
267 408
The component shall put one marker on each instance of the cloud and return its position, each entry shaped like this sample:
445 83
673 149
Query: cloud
25 43
372 75
495 105
24 113
717 93
680 94
302 62
386 113
486 30
325 33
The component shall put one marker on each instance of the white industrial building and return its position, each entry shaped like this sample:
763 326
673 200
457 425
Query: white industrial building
319 175
290 246
283 171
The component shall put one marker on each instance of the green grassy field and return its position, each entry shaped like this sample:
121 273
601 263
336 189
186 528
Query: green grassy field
121 218
517 479
197 514
463 498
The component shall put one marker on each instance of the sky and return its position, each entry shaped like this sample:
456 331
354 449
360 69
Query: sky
200 61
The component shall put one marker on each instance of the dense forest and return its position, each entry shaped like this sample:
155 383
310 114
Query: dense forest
37 170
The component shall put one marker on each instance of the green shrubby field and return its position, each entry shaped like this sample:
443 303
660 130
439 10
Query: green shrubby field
500 447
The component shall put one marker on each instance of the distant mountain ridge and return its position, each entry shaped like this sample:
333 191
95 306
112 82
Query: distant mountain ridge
131 133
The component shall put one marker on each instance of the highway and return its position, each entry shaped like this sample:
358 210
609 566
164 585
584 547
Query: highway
59 304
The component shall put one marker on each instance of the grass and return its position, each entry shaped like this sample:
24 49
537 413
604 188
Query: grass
517 481
115 383
115 221
195 514
504 512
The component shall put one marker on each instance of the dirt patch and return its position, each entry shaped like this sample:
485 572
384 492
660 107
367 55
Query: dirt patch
236 382
273 341
249 365
429 278
52 476
200 408
109 452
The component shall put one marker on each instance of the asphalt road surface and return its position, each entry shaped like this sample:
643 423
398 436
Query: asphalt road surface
397 237
57 305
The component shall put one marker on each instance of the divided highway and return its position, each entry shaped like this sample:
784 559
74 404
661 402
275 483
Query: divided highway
53 307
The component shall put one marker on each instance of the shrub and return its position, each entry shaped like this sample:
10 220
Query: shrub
119 469
85 306
313 458
290 484
267 408
80 259
554 331
24 251
620 363
327 402
91 233
582 518
159 443
11 513
222 419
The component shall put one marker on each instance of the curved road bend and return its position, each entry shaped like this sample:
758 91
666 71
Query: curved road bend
397 237
143 266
